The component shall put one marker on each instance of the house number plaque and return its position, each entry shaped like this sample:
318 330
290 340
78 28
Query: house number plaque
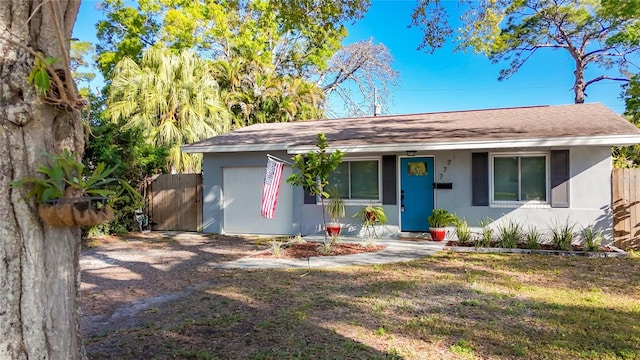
444 168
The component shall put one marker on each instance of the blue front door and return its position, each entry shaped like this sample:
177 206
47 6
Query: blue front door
416 192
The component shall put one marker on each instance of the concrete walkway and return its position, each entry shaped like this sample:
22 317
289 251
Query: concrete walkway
396 250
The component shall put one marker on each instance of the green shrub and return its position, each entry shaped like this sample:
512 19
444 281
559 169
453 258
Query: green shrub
592 238
486 234
463 232
509 234
325 247
562 235
297 239
532 238
136 162
275 248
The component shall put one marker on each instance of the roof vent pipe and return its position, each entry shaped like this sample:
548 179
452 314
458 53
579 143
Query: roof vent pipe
376 107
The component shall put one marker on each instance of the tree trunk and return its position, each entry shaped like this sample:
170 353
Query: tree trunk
39 265
579 84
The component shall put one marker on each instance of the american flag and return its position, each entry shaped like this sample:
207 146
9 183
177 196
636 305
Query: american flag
270 188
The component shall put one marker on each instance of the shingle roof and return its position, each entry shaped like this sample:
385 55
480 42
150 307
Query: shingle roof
458 129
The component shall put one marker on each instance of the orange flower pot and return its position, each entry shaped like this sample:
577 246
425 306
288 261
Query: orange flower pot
438 234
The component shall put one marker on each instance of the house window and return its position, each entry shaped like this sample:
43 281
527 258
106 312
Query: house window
357 179
519 178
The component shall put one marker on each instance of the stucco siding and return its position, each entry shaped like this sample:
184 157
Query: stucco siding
590 193
591 177
590 187
213 191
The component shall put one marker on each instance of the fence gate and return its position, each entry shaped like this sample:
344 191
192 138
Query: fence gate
626 208
176 202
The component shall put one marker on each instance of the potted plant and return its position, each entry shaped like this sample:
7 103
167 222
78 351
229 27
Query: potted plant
69 195
335 210
370 215
438 220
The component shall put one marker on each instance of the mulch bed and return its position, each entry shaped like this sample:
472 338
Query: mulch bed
574 247
311 249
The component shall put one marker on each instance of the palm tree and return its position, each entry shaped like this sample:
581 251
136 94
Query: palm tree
307 99
174 99
254 93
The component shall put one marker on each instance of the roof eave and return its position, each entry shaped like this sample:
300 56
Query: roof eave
608 140
233 148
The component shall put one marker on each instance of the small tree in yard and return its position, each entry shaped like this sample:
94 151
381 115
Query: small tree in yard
315 168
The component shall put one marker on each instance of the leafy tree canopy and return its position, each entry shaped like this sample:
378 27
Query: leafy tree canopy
315 167
632 100
269 54
602 34
292 35
627 11
126 32
79 53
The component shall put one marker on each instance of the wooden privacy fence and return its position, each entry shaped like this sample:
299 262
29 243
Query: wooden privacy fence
176 202
626 208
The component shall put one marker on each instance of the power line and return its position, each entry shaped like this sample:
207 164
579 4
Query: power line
500 88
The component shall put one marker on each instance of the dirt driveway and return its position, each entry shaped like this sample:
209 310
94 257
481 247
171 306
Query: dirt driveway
124 275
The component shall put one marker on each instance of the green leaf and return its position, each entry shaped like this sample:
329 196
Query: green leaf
51 60
41 81
99 177
50 194
99 192
32 75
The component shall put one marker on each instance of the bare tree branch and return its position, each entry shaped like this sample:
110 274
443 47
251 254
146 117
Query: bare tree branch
605 77
365 66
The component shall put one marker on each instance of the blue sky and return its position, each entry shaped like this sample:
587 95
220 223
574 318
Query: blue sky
445 81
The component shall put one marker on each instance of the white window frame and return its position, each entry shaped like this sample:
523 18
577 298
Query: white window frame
377 201
530 203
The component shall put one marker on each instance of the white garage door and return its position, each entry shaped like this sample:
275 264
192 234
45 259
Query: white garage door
242 189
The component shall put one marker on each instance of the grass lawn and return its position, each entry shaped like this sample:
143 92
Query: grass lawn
450 306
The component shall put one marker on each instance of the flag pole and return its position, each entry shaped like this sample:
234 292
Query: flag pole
278 159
